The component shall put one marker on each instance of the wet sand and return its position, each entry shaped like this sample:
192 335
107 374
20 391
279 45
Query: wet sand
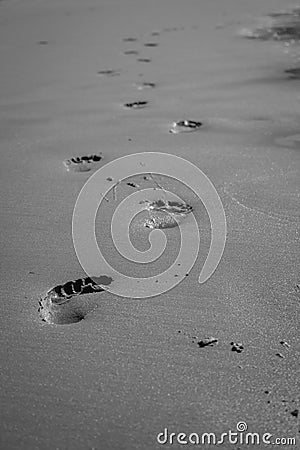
134 367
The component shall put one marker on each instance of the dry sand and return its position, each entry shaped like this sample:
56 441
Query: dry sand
133 367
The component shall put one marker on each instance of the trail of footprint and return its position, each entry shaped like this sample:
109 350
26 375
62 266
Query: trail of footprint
165 214
58 306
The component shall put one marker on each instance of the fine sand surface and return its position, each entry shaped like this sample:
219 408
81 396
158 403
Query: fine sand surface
134 367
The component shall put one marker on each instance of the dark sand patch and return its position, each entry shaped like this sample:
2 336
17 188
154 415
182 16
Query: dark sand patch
131 52
145 85
130 39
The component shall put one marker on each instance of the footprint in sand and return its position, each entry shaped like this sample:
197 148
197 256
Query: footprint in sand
82 163
145 85
58 306
144 60
237 347
109 73
130 39
131 52
165 214
136 105
172 29
297 289
184 126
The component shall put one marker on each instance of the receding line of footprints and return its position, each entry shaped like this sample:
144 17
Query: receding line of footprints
55 307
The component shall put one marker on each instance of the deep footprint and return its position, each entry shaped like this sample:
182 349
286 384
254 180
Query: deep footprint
184 126
136 105
145 85
58 305
82 163
109 73
165 214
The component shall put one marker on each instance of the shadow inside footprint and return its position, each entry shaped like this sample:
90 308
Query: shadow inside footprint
63 305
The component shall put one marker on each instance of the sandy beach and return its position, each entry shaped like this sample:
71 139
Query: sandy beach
134 367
